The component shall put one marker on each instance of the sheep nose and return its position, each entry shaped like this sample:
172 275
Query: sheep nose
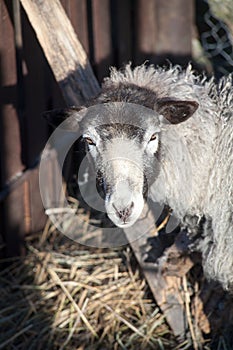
124 213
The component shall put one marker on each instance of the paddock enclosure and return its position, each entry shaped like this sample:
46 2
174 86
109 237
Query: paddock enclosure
57 294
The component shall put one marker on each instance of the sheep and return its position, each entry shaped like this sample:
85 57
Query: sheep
168 134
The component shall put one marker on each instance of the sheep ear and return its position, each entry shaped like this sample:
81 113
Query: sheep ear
56 116
176 111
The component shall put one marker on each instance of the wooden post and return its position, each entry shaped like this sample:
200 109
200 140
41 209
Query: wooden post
174 24
102 50
10 138
62 49
20 121
146 30
122 23
166 289
78 14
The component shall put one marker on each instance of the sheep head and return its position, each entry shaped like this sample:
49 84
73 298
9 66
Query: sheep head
123 140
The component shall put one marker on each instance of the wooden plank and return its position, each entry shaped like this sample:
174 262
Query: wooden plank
36 95
35 99
34 215
122 31
20 187
77 13
10 138
14 224
22 210
23 199
102 37
163 288
146 30
175 23
62 49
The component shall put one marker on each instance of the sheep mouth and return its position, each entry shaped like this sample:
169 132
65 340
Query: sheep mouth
124 211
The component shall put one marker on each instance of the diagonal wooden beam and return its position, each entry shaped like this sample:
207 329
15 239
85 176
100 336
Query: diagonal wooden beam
62 49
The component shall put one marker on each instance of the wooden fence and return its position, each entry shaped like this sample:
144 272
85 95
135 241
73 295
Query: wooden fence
112 32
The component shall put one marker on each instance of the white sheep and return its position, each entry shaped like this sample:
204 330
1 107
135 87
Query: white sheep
168 133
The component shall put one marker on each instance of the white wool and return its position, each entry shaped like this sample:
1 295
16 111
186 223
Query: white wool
201 183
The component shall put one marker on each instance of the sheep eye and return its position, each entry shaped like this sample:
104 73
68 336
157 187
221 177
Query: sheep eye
89 141
153 137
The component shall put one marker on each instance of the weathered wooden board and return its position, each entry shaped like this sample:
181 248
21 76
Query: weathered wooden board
23 211
11 164
122 24
165 289
77 12
62 49
171 26
102 45
146 30
67 59
20 119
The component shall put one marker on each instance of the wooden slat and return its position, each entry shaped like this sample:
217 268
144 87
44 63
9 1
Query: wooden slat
163 288
34 215
10 138
62 50
102 37
146 30
122 31
77 13
14 223
174 23
10 142
36 95
23 210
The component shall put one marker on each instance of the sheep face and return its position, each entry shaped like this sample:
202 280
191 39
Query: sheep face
124 144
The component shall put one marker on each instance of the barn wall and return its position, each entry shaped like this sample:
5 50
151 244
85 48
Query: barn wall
112 33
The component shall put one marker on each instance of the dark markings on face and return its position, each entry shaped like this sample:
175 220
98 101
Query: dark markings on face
110 131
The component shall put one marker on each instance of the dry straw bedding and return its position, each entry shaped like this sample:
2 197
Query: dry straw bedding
66 296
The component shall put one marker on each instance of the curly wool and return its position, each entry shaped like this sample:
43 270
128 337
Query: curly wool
200 184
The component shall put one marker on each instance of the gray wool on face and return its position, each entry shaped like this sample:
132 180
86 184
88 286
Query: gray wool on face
196 165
